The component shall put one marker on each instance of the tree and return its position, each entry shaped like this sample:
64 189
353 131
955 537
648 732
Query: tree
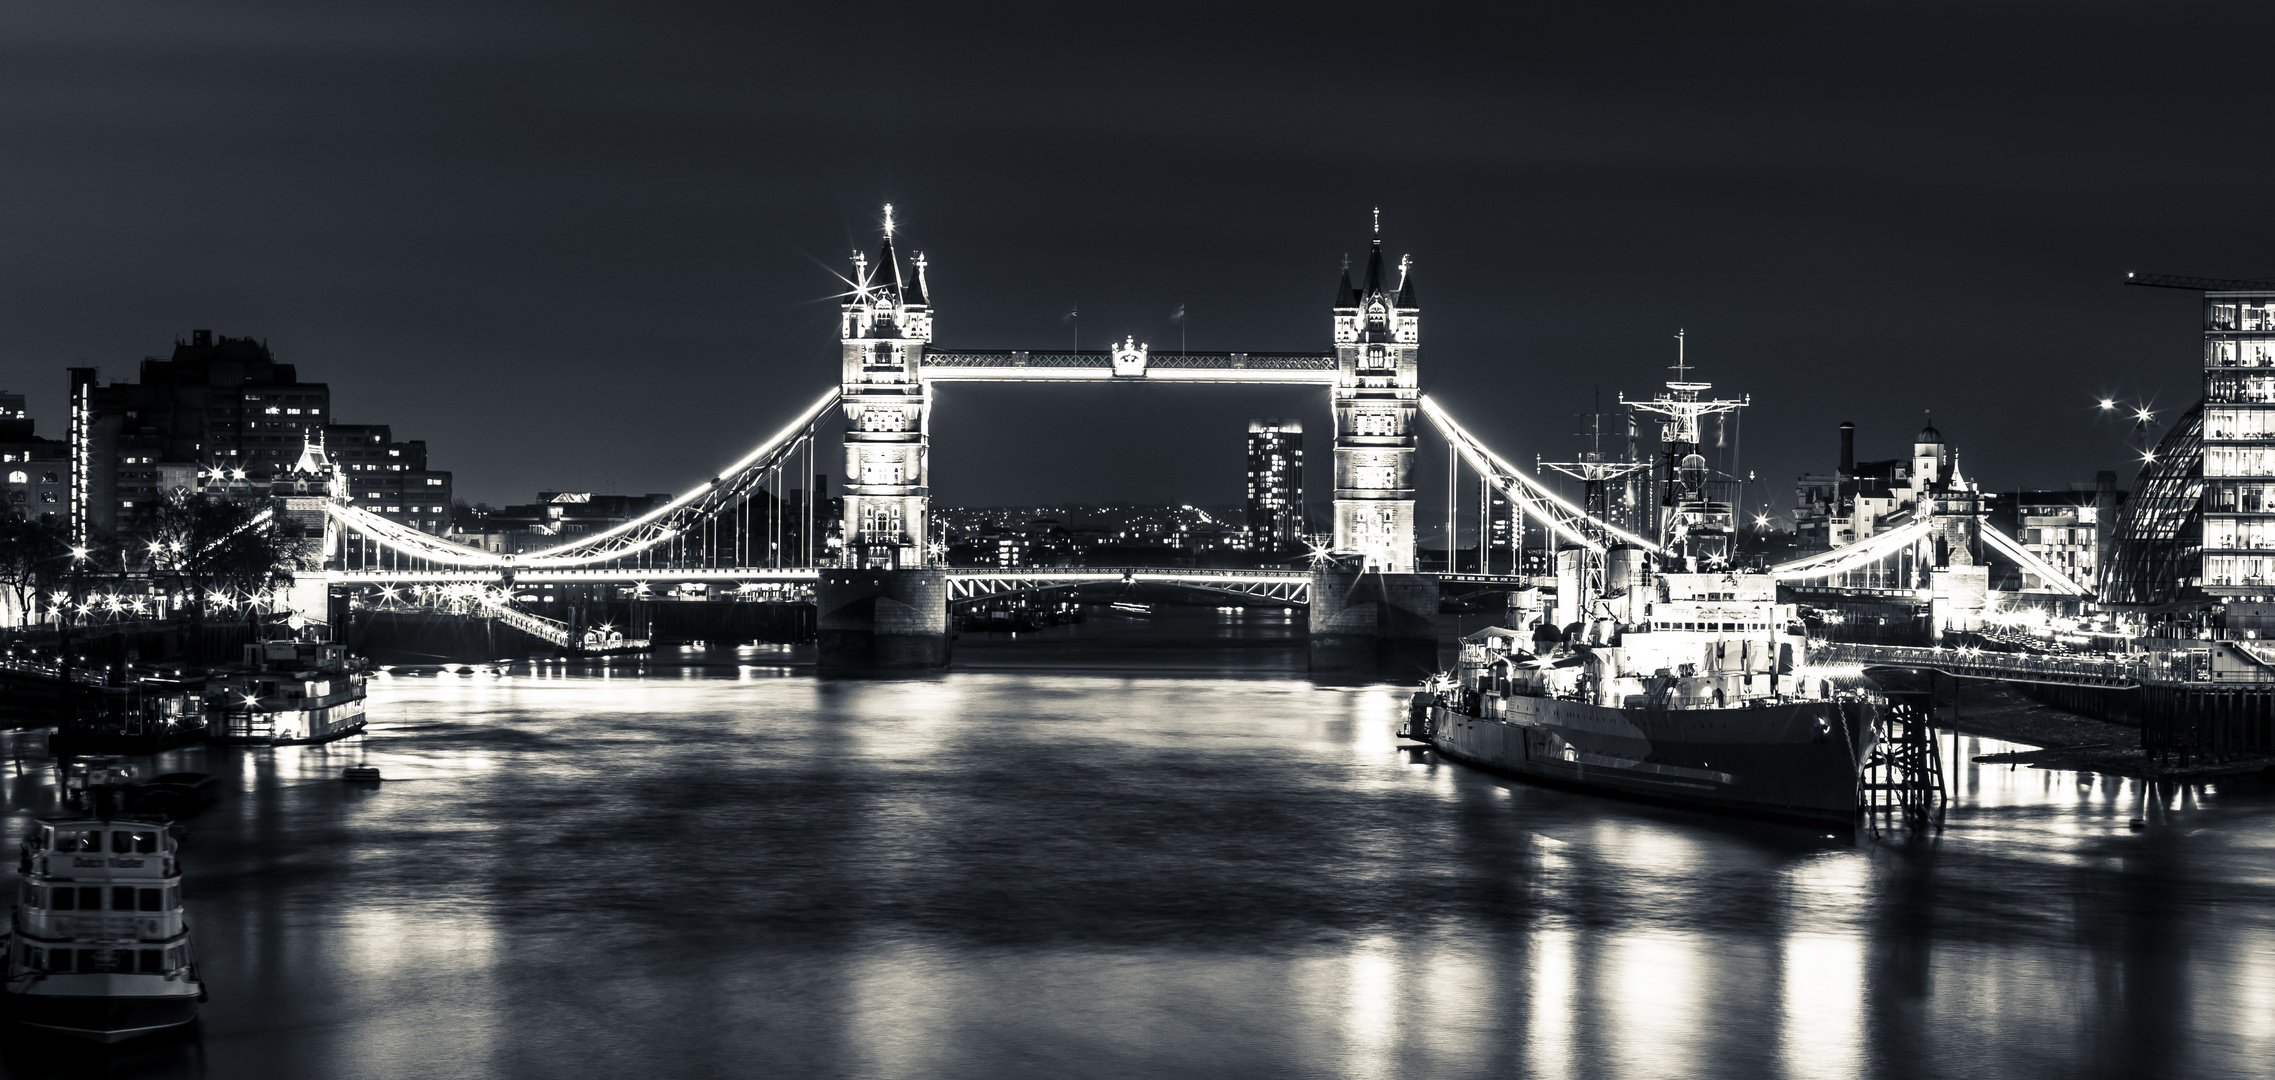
33 555
207 544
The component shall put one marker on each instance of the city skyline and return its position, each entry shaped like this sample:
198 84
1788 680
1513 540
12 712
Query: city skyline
1952 211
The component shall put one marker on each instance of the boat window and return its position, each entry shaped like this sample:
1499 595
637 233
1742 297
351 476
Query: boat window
141 843
151 899
90 898
111 960
47 837
32 895
55 960
122 898
75 840
173 959
173 897
153 961
63 900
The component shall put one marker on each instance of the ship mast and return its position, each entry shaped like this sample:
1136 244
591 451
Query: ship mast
1596 470
1685 475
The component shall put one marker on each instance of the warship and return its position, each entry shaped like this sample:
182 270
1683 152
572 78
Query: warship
1664 671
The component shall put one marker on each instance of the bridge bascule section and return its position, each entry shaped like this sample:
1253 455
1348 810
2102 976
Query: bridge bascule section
884 599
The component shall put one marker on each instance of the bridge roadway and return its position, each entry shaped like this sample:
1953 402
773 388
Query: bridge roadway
1973 663
965 584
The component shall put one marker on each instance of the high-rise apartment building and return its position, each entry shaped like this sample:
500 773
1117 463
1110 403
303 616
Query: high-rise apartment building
2239 443
1275 484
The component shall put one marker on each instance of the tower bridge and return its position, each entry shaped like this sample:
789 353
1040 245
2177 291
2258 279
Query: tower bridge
885 601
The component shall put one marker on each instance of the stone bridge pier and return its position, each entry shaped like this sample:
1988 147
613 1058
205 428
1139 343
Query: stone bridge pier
1382 623
882 620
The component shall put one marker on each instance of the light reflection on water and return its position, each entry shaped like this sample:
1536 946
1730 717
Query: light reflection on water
733 871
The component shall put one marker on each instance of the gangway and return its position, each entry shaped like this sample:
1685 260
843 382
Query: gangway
1973 663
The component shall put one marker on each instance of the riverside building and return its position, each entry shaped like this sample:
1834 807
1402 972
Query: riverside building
33 470
221 416
2239 444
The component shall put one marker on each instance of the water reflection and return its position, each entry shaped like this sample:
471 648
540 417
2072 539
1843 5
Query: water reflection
725 870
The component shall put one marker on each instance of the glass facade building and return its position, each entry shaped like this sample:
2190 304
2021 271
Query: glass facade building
2239 444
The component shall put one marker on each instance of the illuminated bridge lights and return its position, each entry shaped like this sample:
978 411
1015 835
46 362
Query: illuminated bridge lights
1536 499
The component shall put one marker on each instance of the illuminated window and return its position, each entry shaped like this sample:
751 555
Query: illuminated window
881 520
19 477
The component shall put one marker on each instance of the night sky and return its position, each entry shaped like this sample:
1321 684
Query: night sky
595 248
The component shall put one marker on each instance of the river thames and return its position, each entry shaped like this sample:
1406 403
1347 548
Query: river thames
1114 855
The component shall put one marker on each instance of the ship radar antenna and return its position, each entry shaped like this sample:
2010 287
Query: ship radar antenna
1682 359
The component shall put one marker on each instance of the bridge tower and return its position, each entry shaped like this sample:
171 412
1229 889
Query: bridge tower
1378 329
885 326
885 605
1377 614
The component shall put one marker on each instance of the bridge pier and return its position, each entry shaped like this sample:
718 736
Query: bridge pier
882 620
1369 622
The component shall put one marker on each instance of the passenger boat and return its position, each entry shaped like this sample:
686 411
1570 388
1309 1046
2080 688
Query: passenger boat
99 948
290 692
1671 676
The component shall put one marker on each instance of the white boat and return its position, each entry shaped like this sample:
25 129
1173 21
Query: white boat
291 692
99 947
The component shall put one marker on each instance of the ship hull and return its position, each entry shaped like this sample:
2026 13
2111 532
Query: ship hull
1797 760
101 1018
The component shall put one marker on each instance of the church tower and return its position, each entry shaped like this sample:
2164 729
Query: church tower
888 411
1376 399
